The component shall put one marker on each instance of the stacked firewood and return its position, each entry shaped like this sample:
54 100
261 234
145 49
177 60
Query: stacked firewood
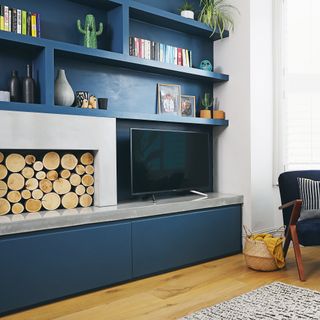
29 184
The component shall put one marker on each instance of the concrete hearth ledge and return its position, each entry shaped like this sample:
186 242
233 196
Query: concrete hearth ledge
45 220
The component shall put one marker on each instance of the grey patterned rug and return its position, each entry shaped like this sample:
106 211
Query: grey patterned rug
277 301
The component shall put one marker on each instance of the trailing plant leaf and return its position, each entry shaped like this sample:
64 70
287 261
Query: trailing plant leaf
217 15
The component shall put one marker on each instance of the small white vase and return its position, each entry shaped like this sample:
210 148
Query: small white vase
187 14
63 93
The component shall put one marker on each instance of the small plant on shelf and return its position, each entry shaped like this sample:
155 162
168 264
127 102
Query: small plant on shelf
187 10
206 104
218 15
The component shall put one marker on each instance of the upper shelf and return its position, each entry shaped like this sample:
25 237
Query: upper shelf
170 20
117 59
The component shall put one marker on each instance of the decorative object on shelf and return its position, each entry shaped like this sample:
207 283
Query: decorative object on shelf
103 103
89 31
169 99
85 104
21 190
93 102
218 114
187 10
206 65
14 87
217 14
63 93
206 104
28 87
188 106
5 96
80 97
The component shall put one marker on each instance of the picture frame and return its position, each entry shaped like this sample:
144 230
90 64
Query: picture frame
188 106
169 99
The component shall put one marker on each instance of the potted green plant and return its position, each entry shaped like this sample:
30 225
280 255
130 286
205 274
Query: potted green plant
218 15
206 104
217 113
187 10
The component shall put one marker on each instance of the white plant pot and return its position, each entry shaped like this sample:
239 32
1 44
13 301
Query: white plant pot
187 14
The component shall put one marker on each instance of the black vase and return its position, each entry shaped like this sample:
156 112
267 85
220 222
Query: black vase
28 87
14 87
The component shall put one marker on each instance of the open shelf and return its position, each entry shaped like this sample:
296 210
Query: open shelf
170 20
42 108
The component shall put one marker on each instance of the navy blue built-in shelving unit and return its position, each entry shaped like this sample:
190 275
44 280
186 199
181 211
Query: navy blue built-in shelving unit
130 83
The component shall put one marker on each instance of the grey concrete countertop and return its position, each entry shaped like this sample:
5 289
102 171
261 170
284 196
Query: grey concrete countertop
28 222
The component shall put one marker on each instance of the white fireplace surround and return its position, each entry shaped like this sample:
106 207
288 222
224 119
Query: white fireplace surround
37 131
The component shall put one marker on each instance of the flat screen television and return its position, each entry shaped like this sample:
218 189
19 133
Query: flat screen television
166 161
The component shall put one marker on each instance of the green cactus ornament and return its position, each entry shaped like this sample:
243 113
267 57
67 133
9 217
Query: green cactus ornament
89 31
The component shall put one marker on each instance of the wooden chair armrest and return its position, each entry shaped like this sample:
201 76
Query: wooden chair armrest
289 204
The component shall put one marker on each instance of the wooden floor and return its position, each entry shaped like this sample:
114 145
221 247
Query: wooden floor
175 294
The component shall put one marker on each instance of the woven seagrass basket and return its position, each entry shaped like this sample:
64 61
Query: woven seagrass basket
257 255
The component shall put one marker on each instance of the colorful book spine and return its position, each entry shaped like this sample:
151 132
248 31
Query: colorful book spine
19 22
1 18
34 25
13 20
38 25
6 18
29 23
24 22
10 20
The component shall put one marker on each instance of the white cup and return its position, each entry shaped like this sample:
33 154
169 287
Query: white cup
5 96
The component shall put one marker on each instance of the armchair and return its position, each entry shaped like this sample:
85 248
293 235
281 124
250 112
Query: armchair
304 232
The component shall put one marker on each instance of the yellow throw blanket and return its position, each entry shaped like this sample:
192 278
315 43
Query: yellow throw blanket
274 246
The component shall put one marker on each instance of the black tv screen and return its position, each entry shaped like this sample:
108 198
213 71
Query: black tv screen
163 161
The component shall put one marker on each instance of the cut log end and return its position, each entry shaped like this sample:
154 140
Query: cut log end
69 161
90 190
80 190
16 181
51 160
26 194
30 159
51 201
3 171
80 169
5 206
87 158
17 208
28 172
37 194
75 179
52 175
15 162
33 205
32 184
1 157
86 200
3 189
90 169
61 186
41 175
70 200
65 174
14 196
87 180
38 166
45 186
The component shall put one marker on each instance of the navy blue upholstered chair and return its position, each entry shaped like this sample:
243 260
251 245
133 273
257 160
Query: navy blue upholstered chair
305 232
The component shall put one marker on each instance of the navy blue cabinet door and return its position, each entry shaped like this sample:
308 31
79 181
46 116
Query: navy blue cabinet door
43 266
169 242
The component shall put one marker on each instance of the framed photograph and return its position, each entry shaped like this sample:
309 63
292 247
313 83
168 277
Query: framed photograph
188 106
169 99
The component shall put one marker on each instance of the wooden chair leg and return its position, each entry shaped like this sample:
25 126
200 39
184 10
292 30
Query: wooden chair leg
297 251
287 243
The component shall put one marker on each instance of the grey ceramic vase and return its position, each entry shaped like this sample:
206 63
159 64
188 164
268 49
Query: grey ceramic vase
63 93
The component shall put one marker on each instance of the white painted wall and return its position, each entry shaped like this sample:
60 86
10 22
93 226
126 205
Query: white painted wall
244 149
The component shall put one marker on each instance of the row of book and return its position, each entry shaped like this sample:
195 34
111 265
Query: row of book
152 50
19 21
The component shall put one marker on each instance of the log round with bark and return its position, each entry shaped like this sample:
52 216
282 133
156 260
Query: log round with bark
14 196
86 200
38 166
87 180
30 159
41 175
1 157
90 190
75 179
3 189
51 201
69 161
87 158
17 208
15 181
32 184
80 169
28 172
15 162
26 194
37 194
70 200
90 169
65 174
80 190
45 185
5 206
61 186
3 171
52 175
51 160
33 205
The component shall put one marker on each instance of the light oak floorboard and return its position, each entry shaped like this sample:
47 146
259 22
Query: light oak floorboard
175 294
